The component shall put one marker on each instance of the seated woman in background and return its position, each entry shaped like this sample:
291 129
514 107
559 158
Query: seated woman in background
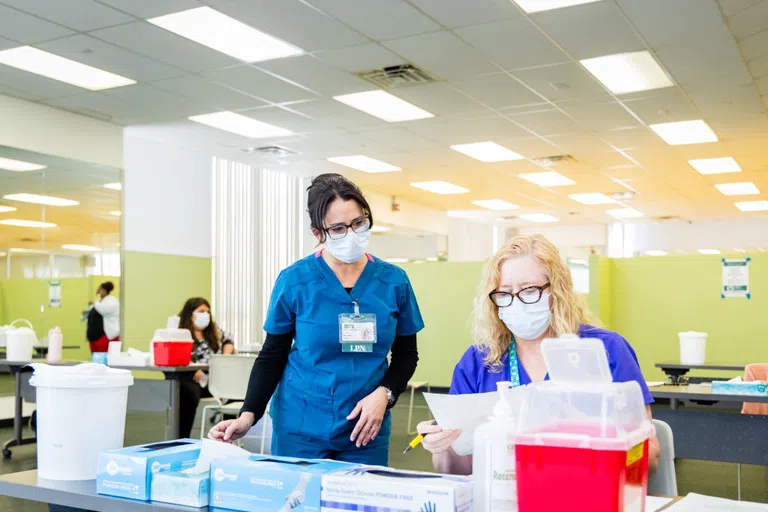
208 339
526 295
108 308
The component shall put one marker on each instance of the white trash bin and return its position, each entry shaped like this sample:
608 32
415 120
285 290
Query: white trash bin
693 347
80 412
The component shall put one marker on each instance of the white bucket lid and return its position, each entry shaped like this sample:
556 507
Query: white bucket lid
692 334
86 375
172 335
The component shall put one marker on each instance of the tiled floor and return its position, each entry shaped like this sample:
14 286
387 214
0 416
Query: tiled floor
717 479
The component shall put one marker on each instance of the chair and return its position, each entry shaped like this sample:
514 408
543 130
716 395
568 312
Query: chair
227 380
663 482
414 385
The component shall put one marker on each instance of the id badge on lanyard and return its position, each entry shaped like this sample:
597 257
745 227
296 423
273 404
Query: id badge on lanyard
357 332
514 371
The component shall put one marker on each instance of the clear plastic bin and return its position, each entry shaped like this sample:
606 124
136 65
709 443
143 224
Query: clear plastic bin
586 433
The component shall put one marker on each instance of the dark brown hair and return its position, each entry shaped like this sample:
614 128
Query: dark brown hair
324 190
107 287
210 333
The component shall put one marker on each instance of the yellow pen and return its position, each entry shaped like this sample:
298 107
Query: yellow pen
416 441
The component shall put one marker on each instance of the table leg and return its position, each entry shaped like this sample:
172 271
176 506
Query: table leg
18 418
673 403
410 412
175 407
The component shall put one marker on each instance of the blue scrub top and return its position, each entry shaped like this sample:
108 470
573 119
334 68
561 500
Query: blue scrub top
321 384
472 376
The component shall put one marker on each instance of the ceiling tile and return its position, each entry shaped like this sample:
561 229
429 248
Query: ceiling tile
286 119
634 138
759 66
498 90
295 21
460 131
755 45
151 8
440 99
749 21
442 54
26 28
562 82
256 82
157 43
336 114
609 32
513 44
97 53
205 92
310 72
661 22
596 116
663 106
460 13
379 20
732 7
81 15
20 93
360 58
401 139
723 64
7 43
35 84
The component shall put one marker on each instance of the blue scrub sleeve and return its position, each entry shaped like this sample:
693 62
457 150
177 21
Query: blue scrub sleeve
409 319
625 366
464 380
281 315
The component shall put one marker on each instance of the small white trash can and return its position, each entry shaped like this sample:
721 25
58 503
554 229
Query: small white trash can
693 347
80 412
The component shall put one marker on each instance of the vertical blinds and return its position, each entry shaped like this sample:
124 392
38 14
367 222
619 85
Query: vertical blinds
258 221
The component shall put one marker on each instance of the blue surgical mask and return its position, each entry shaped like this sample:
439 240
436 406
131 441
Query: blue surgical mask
527 321
350 248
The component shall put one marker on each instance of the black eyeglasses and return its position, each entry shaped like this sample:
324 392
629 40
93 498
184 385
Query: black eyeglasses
530 295
339 231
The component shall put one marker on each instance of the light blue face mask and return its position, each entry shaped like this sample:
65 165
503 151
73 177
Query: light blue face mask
350 248
527 321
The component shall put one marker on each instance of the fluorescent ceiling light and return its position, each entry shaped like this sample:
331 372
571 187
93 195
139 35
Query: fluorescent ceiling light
752 206
625 213
64 70
227 35
685 132
573 261
440 187
746 188
655 253
547 179
27 223
116 213
364 163
81 248
709 251
432 259
37 199
539 217
397 260
628 72
9 164
241 125
380 229
27 251
6 209
547 5
114 186
383 105
592 198
487 152
722 165
498 205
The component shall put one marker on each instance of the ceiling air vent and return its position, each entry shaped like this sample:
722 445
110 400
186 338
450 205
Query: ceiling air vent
28 240
623 196
392 77
271 151
553 161
665 218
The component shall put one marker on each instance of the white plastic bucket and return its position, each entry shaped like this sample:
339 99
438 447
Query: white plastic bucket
80 412
693 347
20 341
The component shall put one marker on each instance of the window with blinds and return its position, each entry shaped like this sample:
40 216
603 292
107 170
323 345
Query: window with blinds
258 226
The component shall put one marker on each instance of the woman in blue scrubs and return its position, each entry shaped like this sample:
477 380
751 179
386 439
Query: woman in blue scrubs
526 296
333 319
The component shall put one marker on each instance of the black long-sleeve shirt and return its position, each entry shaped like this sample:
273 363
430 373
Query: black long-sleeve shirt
273 358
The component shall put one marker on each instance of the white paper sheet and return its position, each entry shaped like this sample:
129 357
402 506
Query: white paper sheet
655 383
214 450
653 504
466 412
700 503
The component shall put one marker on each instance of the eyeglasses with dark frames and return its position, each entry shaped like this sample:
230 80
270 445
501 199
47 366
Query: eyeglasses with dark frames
529 295
339 231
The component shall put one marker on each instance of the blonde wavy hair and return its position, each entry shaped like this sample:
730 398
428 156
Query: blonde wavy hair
491 335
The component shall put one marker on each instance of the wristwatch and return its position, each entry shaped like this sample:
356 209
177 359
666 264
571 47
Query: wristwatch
391 398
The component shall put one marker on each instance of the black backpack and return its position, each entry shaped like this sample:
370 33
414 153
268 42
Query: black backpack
95 328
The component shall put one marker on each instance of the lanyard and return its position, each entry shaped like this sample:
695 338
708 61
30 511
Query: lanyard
514 371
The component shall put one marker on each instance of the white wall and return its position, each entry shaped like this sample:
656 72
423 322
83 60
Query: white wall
595 235
470 241
411 247
166 198
674 235
411 215
51 131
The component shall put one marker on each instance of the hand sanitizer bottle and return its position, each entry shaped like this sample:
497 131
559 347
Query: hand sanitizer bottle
493 462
